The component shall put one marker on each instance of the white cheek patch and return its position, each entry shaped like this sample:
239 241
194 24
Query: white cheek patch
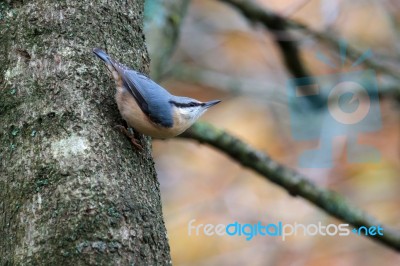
191 114
185 111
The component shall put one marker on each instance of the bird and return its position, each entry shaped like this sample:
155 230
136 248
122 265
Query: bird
148 107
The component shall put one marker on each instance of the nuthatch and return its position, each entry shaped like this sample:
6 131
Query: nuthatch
148 107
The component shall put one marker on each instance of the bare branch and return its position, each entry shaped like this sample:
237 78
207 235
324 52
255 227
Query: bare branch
288 47
295 183
273 21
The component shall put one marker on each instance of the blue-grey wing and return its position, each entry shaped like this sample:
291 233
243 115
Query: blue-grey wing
152 99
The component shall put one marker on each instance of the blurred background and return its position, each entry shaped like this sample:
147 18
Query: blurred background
221 55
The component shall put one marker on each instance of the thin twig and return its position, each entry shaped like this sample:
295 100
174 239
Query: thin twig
288 47
256 13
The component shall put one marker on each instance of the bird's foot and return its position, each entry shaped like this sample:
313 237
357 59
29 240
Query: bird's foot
134 141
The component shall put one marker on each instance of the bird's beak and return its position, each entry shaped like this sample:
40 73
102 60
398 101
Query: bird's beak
211 103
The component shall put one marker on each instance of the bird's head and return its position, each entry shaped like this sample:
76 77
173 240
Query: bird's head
189 110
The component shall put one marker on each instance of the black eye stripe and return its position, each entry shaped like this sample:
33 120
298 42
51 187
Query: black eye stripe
185 105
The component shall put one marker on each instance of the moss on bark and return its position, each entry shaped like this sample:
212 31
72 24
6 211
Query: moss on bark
73 192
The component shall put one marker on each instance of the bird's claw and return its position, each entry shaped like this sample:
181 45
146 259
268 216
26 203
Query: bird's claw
130 136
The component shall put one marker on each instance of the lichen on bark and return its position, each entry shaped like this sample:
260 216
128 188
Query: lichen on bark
73 191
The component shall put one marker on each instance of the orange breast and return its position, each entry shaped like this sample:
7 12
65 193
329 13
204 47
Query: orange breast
133 115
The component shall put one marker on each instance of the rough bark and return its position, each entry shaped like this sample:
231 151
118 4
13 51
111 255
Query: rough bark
72 190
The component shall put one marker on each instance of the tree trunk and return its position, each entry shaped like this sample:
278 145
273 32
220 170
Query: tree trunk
72 190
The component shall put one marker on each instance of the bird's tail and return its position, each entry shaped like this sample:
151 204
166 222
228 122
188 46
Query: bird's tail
103 56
